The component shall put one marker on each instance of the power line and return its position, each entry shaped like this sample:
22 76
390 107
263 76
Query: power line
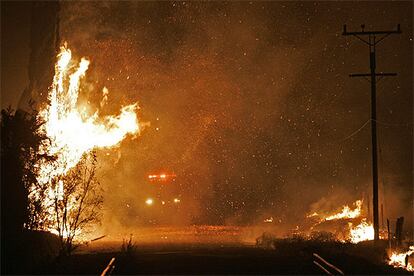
355 132
392 124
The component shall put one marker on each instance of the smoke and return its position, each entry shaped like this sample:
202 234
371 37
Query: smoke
43 47
248 104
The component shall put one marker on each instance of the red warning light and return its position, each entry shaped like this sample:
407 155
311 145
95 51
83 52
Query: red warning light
161 177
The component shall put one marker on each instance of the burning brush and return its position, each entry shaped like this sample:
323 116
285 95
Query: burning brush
403 259
357 228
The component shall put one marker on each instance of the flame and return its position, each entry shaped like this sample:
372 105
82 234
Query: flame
72 132
399 259
362 232
268 220
347 212
314 214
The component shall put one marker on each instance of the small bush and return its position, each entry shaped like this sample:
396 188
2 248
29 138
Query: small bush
322 236
128 246
266 240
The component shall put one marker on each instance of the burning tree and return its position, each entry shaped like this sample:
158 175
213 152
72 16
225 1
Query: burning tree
48 162
77 202
65 197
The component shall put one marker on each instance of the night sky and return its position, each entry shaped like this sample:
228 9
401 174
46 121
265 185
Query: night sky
250 103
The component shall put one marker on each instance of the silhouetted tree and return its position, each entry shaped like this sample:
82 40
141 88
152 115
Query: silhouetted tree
77 202
20 140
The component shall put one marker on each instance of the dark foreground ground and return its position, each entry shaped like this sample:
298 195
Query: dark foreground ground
196 250
287 258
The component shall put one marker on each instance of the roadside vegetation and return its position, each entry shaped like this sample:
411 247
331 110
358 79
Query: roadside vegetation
32 232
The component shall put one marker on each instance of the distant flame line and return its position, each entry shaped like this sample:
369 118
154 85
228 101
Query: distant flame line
357 233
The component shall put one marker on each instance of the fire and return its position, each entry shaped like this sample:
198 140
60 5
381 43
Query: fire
314 214
362 232
72 132
268 220
356 232
347 212
401 259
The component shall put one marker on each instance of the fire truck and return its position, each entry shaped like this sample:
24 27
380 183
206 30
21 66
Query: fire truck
163 198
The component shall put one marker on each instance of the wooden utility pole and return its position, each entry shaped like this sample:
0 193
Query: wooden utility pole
374 37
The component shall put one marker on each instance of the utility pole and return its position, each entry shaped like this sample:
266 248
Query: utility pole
374 37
